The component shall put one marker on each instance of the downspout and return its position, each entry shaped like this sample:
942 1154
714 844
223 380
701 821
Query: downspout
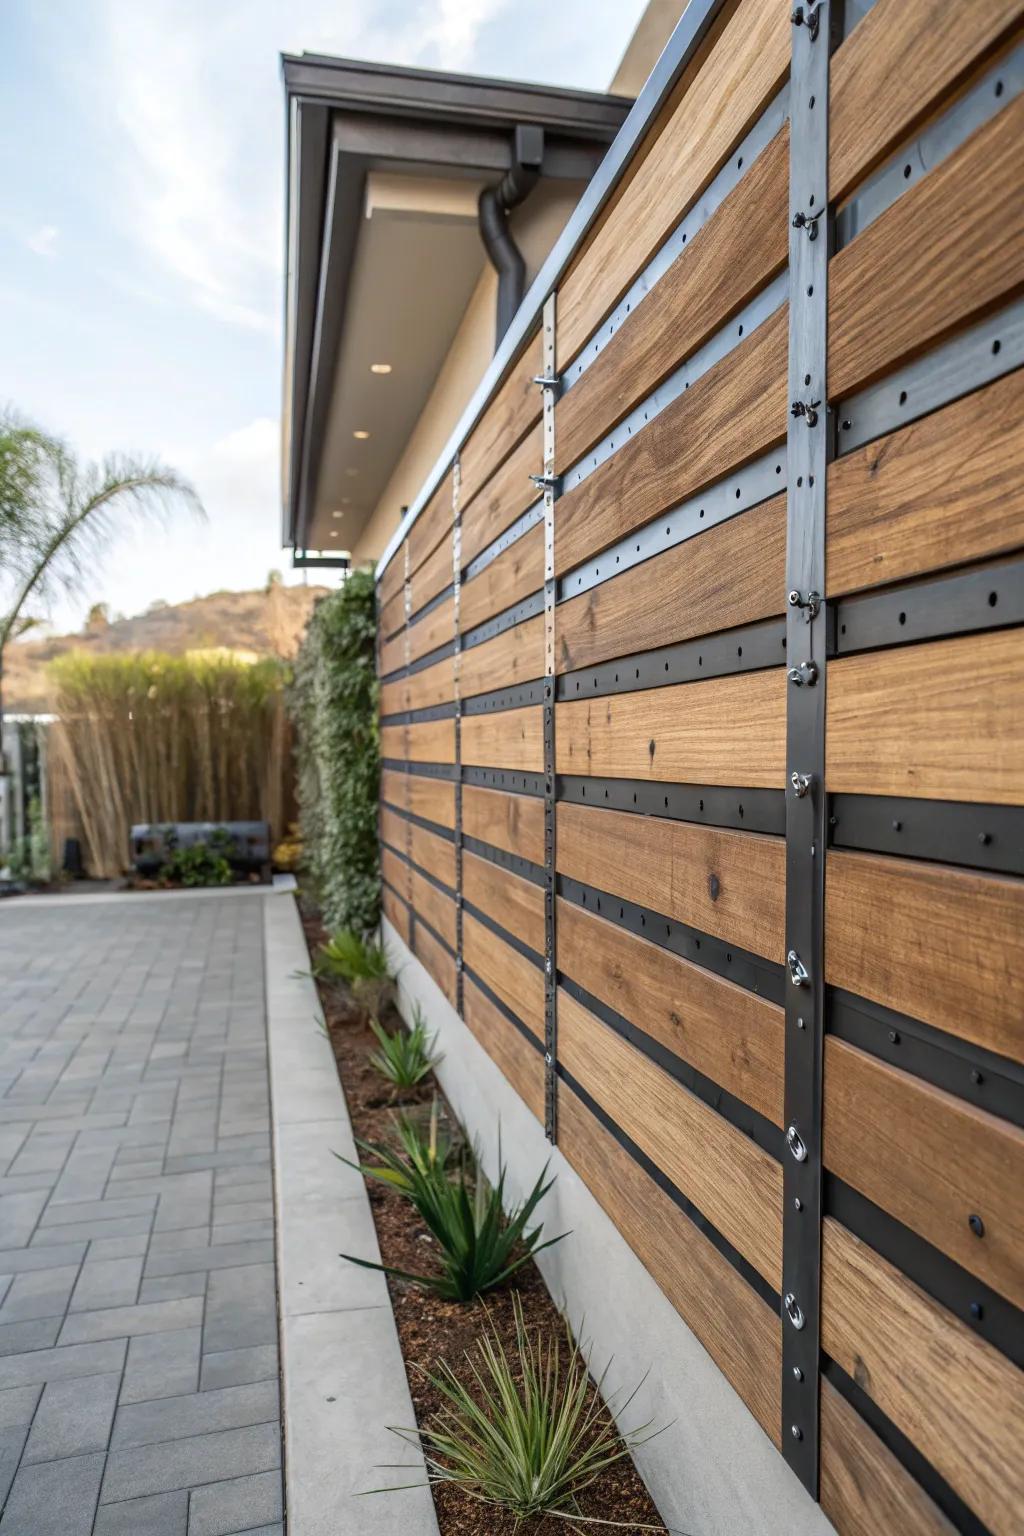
496 201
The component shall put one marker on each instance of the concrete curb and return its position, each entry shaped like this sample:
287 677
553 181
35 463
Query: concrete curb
343 1375
283 885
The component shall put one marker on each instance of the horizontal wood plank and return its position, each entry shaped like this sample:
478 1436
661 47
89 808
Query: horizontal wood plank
916 274
436 960
432 525
434 575
727 730
394 788
732 574
392 578
430 741
730 1034
514 409
392 653
394 742
733 413
521 1063
514 656
941 721
515 574
943 945
726 1176
745 67
394 829
728 884
943 491
432 853
740 1332
433 630
514 903
737 252
419 690
506 494
954 1396
513 739
930 1160
433 799
396 912
395 871
516 981
391 615
514 823
433 906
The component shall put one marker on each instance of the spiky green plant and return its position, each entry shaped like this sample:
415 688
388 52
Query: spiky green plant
406 1056
412 1162
526 1433
362 964
479 1247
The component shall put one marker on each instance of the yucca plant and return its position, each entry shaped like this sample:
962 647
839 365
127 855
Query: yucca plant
480 1249
363 964
406 1056
526 1433
413 1161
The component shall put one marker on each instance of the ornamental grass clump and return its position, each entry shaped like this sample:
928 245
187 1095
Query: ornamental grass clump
406 1056
361 964
413 1163
525 1431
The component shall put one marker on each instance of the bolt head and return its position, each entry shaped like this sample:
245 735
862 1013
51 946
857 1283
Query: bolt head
796 1432
977 1311
798 1373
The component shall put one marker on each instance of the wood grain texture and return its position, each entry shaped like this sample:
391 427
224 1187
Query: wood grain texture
433 906
727 730
396 912
434 629
433 853
736 1185
514 409
943 491
864 1489
737 252
513 739
673 867
434 575
393 742
744 69
740 1332
395 871
507 580
732 574
432 524
521 1064
898 61
391 615
394 788
954 1396
516 981
430 741
728 1033
943 945
515 903
392 653
942 721
392 579
436 959
394 829
419 690
514 656
433 799
916 274
512 822
506 494
930 1160
733 413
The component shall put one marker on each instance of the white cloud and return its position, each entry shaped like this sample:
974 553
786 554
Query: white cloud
43 240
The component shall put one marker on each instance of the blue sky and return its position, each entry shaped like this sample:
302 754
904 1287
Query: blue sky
141 158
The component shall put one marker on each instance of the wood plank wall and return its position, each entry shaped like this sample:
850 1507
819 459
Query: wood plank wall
670 741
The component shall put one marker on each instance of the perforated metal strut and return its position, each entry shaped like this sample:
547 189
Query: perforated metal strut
456 669
809 448
548 382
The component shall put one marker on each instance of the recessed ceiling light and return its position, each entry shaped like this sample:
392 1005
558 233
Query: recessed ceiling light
337 512
334 533
380 367
361 434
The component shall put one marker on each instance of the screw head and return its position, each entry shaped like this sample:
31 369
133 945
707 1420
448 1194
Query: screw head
894 1037
796 1432
798 1373
984 838
977 1311
976 1076
897 826
976 1225
798 1204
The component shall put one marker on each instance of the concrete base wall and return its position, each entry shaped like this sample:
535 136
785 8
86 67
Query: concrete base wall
713 1472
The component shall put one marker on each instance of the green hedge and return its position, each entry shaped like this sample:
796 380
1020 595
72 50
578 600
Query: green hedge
333 701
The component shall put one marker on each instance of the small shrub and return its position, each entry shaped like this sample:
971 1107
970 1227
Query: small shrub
415 1163
362 964
199 864
525 1433
466 1217
405 1057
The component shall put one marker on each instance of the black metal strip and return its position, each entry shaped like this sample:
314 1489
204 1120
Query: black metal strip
396 893
753 810
745 649
504 1009
980 1077
459 711
505 778
948 831
742 1266
522 525
432 603
421 922
760 1130
808 450
515 697
764 977
431 879
500 932
551 484
399 853
963 1519
421 663
423 770
513 862
438 828
446 711
528 608
983 1310
984 597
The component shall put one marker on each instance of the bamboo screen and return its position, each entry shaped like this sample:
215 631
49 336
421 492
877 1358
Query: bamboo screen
724 714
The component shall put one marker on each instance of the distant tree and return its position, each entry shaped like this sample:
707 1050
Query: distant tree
57 515
157 604
98 619
274 579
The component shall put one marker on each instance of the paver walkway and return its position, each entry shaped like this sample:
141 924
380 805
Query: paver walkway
138 1320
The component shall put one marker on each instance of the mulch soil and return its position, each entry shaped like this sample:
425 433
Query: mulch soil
431 1329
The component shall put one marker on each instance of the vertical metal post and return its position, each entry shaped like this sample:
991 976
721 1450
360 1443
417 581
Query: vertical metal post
456 667
808 454
549 384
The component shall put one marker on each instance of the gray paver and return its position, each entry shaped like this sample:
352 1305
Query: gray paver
189 1462
173 1418
241 1504
126 1322
54 1498
164 1514
236 1367
73 1418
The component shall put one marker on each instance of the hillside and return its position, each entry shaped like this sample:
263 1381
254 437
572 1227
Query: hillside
264 623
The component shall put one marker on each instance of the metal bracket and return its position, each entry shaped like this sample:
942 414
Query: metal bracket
808 221
808 409
801 783
811 604
809 17
550 483
805 675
